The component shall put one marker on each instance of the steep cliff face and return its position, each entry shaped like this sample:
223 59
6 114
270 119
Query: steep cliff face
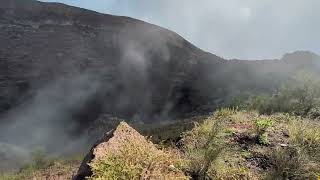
64 65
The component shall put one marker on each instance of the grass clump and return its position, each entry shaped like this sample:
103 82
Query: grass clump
137 162
211 150
292 163
225 113
301 159
203 145
306 135
234 173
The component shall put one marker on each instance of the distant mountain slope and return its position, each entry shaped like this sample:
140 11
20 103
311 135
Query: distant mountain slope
43 42
63 68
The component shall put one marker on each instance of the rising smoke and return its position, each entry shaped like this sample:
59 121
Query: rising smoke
55 114
45 121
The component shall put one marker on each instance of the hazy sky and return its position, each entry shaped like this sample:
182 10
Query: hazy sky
245 29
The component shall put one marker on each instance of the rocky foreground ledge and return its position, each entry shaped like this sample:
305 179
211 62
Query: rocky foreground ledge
125 139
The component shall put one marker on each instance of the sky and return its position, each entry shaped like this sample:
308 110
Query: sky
242 29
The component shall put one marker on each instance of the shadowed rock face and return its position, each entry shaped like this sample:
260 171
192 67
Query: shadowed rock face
84 169
82 65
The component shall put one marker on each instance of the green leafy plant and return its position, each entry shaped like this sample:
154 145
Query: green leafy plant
246 154
230 132
261 125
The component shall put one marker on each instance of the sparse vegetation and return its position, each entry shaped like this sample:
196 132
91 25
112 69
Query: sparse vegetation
292 163
305 134
236 155
228 144
43 167
209 150
220 146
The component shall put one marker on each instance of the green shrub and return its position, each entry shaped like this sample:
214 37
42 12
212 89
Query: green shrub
230 132
261 125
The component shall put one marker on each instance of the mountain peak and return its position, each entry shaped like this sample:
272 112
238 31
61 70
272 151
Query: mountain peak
300 55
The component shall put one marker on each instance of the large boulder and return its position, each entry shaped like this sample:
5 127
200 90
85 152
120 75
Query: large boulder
129 146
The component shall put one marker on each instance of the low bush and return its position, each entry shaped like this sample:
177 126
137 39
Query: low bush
261 125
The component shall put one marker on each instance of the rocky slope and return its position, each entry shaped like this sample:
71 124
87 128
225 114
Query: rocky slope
48 43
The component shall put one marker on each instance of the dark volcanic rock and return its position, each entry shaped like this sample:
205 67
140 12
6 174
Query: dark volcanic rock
84 169
44 43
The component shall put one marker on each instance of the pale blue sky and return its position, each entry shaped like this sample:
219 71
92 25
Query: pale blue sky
246 29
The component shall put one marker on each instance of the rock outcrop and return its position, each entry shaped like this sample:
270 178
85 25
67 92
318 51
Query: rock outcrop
116 141
84 169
